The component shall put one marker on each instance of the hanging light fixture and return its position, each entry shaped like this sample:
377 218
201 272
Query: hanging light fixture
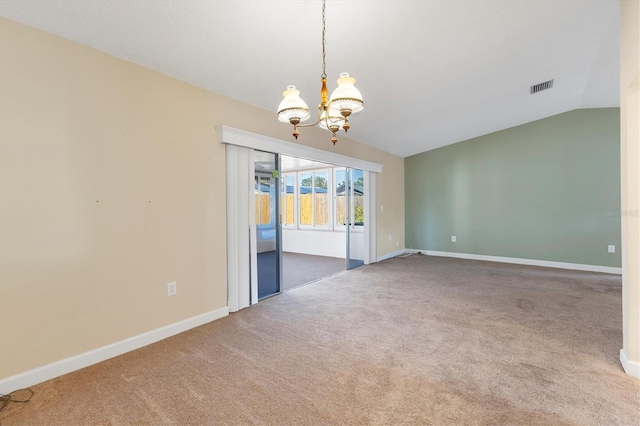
333 111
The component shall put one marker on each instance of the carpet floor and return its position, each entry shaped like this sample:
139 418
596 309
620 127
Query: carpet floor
299 269
416 340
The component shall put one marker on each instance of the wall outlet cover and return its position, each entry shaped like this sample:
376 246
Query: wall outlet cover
453 238
611 249
172 288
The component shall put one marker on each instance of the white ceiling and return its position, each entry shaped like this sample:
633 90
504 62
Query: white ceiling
293 163
432 73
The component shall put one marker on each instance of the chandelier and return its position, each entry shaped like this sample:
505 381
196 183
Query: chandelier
333 111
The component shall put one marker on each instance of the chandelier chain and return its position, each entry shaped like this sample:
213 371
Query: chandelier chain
324 43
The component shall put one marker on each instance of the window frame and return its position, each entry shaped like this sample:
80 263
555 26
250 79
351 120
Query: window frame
352 213
332 194
313 225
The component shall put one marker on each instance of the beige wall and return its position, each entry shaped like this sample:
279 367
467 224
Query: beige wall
630 162
111 185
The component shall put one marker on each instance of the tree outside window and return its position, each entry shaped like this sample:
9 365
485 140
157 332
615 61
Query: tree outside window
356 191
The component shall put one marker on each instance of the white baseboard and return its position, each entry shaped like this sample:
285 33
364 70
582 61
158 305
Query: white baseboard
76 362
390 255
632 368
532 262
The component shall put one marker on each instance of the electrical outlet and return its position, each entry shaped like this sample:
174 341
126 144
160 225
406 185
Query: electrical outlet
397 244
171 288
611 249
453 238
390 237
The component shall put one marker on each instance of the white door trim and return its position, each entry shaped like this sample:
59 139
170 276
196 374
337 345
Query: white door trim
232 136
370 249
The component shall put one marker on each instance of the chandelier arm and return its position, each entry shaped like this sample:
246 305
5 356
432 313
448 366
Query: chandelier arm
311 124
327 119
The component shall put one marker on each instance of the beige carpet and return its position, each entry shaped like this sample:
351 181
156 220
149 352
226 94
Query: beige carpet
419 340
299 269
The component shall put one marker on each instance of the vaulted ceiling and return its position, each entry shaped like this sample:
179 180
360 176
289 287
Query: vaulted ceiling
432 73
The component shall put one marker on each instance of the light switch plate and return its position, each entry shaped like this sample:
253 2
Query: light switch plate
172 288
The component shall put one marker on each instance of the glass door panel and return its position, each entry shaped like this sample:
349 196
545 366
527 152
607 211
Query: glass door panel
267 223
354 209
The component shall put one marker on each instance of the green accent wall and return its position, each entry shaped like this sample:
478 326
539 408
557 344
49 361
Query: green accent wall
546 190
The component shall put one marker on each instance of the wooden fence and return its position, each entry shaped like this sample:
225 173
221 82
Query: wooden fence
306 207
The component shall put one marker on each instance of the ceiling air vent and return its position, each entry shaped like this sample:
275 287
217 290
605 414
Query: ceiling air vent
542 86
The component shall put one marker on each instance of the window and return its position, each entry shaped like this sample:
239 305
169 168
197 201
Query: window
321 199
317 199
262 200
313 199
355 190
341 201
357 193
287 204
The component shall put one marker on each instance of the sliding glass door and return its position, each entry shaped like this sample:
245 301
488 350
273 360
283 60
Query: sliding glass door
354 197
266 196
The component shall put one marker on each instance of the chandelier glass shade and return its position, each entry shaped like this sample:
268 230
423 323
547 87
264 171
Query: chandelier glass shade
334 111
334 122
346 97
292 107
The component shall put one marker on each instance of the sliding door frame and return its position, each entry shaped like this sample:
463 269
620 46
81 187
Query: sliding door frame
255 276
